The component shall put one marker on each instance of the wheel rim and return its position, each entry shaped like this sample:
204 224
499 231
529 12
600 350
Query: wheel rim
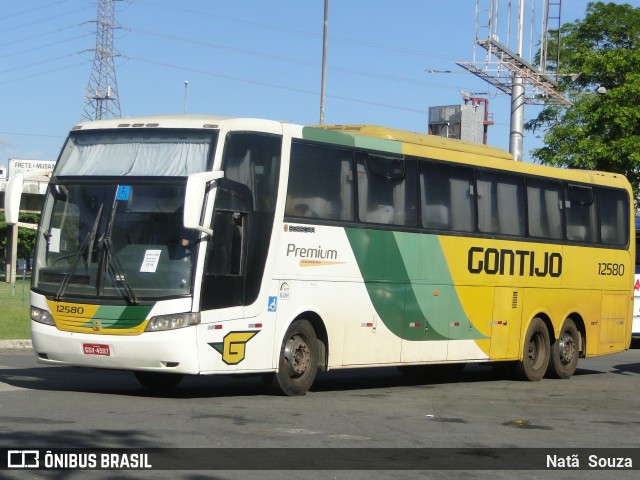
297 355
536 350
566 347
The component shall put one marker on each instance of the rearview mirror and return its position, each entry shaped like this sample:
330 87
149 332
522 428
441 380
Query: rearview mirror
194 199
13 194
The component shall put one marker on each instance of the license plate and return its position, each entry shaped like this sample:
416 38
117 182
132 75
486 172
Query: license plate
96 349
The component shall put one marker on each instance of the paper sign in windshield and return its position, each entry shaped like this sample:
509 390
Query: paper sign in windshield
54 240
150 261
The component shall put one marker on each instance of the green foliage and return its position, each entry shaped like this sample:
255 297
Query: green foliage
26 237
14 310
601 130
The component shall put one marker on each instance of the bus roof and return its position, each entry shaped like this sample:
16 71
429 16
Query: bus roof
171 121
368 137
422 139
437 147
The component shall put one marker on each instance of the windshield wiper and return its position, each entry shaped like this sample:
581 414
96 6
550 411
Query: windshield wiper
111 264
115 271
87 244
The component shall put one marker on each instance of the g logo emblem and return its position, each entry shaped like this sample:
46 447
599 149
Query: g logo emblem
234 346
96 325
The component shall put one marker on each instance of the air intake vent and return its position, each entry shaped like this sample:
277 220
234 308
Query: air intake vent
514 300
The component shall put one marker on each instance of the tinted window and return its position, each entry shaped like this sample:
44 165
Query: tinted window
386 190
544 201
320 182
447 197
614 216
500 204
580 213
253 159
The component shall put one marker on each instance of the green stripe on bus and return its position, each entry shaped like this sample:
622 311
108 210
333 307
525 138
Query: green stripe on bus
351 140
409 284
120 317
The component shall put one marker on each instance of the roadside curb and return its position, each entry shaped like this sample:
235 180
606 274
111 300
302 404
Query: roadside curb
15 345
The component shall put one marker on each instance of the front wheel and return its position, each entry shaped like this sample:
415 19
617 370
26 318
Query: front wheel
298 361
535 357
565 351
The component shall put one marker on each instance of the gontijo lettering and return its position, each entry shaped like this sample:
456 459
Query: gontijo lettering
493 261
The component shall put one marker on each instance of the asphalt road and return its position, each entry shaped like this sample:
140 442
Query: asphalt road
54 407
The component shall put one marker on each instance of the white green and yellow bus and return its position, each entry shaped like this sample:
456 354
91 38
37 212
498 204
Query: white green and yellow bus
192 245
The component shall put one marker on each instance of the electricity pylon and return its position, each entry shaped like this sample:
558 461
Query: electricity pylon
101 95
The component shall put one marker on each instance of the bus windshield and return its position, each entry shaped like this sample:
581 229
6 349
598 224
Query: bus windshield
114 241
112 220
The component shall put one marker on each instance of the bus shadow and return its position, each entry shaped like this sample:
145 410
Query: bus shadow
87 380
627 368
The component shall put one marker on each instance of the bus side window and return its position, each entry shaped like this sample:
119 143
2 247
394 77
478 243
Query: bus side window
613 208
544 212
580 214
500 204
446 193
386 189
320 182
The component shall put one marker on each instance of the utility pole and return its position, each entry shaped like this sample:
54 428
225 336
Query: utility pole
101 96
324 58
186 94
517 97
507 70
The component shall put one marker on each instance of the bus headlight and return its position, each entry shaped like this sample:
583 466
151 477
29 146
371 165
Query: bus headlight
160 323
41 316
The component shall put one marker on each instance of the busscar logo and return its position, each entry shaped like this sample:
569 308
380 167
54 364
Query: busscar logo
299 229
23 459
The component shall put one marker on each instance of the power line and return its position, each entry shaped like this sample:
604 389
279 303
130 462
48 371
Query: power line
46 72
34 9
292 31
273 85
47 19
22 134
47 45
35 64
43 34
306 63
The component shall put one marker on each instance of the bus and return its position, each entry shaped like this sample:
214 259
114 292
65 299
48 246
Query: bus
193 245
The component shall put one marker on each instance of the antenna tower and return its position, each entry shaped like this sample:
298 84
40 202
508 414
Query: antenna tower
101 96
505 67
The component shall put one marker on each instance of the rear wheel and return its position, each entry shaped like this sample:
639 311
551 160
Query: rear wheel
158 380
565 351
537 347
298 361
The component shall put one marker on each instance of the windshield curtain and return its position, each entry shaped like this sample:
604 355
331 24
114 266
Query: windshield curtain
135 153
123 242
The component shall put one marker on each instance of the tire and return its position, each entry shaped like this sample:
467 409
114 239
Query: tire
565 352
298 362
536 352
158 380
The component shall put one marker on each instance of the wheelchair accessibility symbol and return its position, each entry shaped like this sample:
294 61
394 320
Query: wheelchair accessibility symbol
273 304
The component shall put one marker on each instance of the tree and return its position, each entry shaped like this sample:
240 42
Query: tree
601 129
26 237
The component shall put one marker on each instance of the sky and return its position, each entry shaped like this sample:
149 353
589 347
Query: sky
387 62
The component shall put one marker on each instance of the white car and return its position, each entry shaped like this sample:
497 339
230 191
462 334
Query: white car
635 328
